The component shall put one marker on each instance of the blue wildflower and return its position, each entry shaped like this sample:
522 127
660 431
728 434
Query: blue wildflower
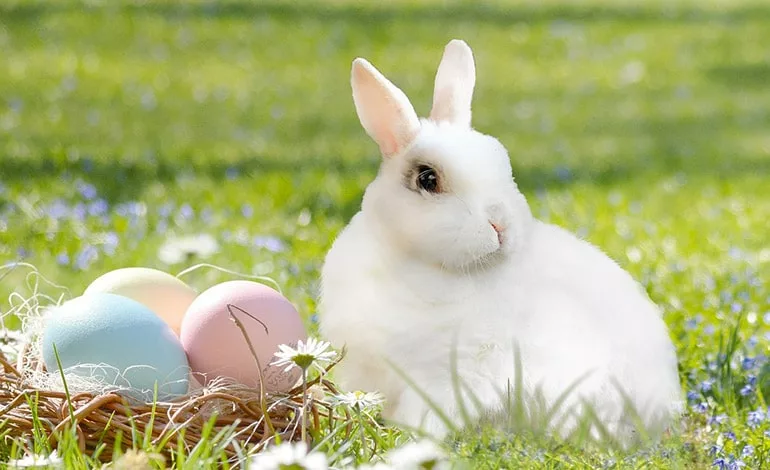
751 380
86 190
715 450
701 407
63 259
131 209
748 363
747 450
720 463
729 435
123 209
165 210
186 211
247 211
271 243
691 323
721 357
111 241
207 215
709 329
23 253
57 210
87 164
231 173
755 417
98 207
706 385
735 464
80 211
736 307
746 390
563 173
85 257
692 396
718 419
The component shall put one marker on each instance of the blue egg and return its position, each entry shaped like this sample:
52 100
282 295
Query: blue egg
138 348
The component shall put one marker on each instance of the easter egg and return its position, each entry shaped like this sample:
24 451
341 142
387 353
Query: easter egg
118 342
161 292
216 346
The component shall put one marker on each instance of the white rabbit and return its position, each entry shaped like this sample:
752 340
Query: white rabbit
445 254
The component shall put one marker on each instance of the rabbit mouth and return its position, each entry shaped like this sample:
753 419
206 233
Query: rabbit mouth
489 259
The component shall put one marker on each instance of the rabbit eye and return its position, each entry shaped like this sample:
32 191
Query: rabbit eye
427 179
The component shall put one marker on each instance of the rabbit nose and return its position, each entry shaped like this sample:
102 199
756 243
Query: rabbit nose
495 216
499 230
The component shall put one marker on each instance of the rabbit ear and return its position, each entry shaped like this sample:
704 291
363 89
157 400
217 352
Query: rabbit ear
455 80
384 111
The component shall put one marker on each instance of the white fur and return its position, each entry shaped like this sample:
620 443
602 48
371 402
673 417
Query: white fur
415 274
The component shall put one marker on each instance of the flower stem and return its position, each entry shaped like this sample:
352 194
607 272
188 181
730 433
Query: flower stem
363 434
304 405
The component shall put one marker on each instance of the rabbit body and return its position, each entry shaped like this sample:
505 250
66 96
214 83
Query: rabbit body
464 266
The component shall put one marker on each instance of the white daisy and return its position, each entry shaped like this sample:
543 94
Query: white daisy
288 456
359 399
310 353
316 392
178 249
38 461
418 455
137 459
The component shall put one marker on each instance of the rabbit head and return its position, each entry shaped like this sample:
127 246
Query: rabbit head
444 193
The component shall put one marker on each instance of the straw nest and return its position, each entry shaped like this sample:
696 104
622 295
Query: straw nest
106 420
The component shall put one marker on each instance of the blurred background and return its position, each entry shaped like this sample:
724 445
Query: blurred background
163 133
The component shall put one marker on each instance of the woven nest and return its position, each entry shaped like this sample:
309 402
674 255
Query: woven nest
252 417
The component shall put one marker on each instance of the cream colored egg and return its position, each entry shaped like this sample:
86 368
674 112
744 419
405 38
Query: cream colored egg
164 294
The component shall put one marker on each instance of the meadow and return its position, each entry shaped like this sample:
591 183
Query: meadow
164 133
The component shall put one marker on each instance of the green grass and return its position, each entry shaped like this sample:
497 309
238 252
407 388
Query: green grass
646 129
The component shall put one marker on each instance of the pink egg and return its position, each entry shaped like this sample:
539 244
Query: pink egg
216 347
